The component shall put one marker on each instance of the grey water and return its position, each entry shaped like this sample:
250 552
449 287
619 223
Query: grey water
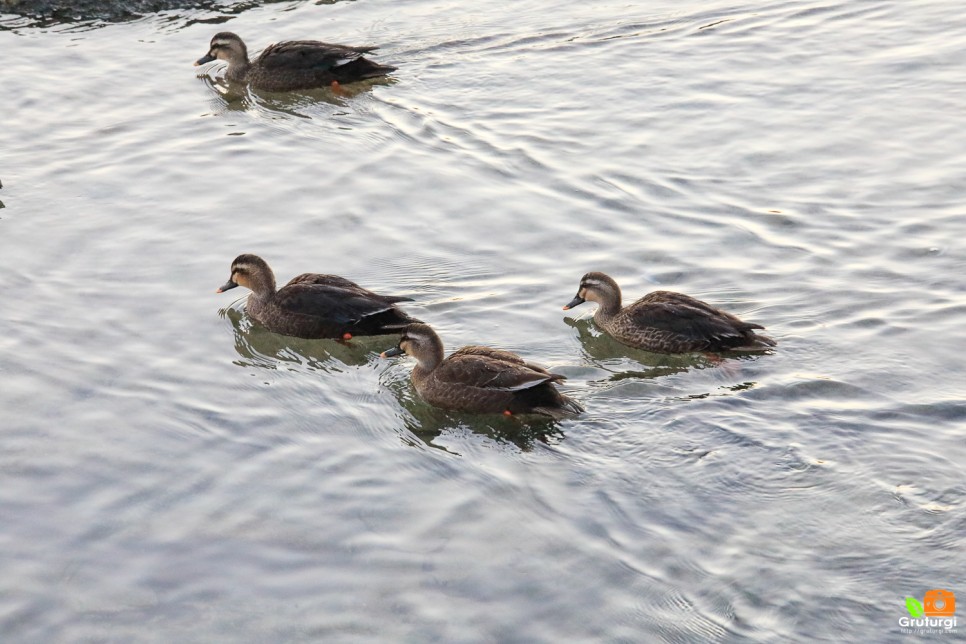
170 471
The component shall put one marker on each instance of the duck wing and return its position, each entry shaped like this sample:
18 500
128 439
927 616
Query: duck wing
506 356
686 316
686 301
308 54
339 305
324 280
689 319
486 368
341 282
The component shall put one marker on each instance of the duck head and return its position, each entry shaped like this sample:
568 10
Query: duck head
252 272
420 342
597 287
225 46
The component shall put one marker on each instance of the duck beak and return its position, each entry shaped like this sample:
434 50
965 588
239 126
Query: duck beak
226 286
207 58
574 302
388 353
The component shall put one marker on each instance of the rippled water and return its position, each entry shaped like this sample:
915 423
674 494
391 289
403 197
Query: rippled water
171 472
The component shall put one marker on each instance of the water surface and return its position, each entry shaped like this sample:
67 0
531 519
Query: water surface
172 472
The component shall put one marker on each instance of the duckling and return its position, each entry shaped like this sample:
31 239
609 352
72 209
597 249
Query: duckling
313 305
293 64
666 322
480 379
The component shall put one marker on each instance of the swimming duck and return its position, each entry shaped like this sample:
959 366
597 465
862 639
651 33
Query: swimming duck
666 322
480 379
313 305
294 64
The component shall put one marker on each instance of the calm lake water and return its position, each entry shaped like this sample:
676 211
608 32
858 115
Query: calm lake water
170 472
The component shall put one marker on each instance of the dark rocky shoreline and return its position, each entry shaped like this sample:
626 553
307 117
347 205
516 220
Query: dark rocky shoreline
117 10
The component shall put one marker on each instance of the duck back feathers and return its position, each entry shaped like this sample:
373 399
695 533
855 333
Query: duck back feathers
341 282
678 323
304 64
483 380
328 311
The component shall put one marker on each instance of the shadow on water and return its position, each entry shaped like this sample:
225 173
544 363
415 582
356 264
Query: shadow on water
45 13
427 423
259 347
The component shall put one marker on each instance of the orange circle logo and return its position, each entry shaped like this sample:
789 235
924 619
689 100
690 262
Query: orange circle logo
939 603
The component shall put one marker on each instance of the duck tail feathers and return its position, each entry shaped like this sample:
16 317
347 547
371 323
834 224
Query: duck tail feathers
568 408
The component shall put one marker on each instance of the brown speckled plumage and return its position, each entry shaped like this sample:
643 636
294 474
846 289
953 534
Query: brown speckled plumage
480 379
293 64
667 322
313 305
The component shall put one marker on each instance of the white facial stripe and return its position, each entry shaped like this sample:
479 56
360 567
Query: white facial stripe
221 43
591 284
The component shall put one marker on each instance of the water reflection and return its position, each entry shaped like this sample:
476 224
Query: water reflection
606 352
259 347
724 390
239 97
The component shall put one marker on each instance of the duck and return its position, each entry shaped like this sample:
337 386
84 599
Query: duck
666 322
313 305
293 64
480 379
